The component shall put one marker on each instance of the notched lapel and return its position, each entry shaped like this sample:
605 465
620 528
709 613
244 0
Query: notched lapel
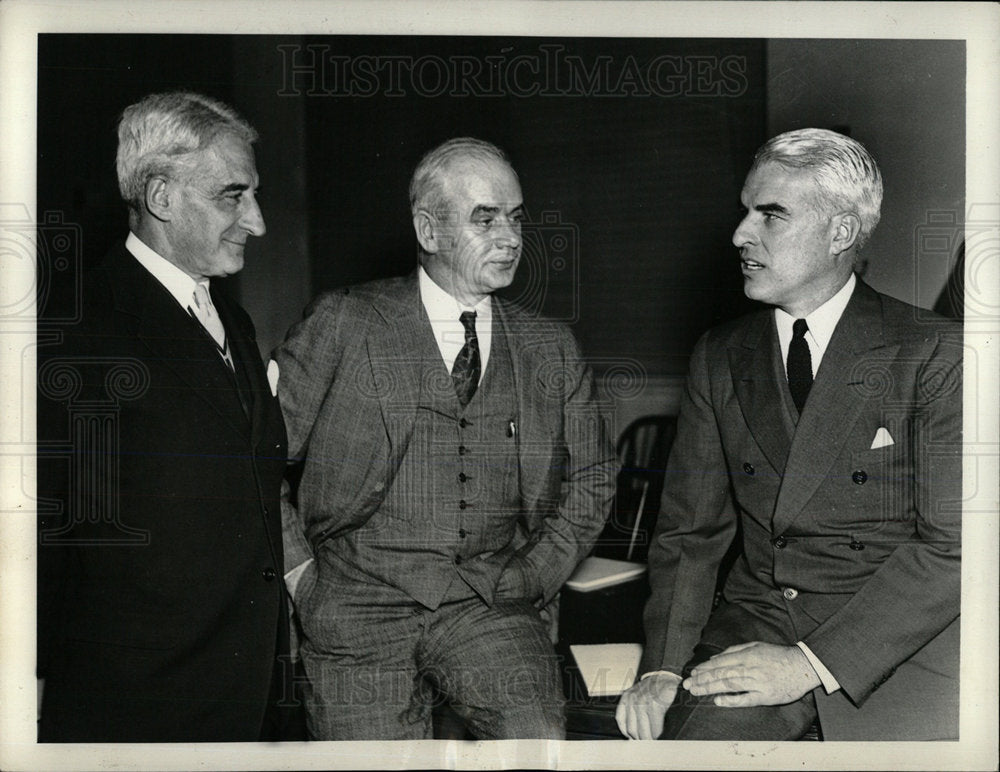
172 337
752 365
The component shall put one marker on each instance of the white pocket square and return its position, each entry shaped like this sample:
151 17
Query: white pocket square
882 438
272 377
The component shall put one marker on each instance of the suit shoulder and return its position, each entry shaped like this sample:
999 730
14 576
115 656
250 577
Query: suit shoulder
908 324
736 330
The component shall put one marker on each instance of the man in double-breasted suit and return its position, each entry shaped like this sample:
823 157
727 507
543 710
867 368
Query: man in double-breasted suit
456 470
829 428
162 611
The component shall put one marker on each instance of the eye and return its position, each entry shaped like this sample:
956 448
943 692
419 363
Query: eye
517 218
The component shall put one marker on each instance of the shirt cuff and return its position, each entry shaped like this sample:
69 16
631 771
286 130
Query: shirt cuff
292 577
659 672
830 684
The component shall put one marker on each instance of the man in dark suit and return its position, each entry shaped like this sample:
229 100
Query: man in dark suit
829 427
162 613
456 470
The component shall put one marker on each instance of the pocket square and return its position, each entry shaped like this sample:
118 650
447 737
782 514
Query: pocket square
272 377
882 438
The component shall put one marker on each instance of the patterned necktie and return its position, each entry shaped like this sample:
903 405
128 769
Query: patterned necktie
201 308
800 374
465 372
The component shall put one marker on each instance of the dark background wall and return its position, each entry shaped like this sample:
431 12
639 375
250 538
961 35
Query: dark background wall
631 153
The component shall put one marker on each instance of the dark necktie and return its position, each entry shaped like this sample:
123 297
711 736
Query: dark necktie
465 372
800 374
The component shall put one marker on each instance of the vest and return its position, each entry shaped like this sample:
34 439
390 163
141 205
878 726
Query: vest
455 500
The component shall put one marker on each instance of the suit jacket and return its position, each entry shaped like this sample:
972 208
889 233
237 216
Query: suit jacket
852 549
161 600
350 385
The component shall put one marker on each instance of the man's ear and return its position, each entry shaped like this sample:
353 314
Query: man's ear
157 198
425 227
846 228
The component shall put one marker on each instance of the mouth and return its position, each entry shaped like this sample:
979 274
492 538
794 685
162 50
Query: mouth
239 244
751 265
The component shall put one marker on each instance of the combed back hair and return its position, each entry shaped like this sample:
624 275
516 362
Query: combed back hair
845 172
427 186
159 135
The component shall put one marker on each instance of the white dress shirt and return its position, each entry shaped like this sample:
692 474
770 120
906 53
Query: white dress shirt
449 334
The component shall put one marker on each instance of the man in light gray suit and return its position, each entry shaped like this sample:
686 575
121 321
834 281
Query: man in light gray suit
456 471
828 426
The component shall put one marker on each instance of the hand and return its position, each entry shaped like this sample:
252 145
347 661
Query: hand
517 581
641 709
754 674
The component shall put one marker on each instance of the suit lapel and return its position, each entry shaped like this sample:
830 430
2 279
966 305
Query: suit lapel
174 340
396 355
835 402
528 357
246 356
752 365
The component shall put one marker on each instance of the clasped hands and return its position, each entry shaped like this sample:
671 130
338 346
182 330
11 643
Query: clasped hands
742 676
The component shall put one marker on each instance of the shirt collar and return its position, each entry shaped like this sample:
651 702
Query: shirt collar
441 306
177 283
823 321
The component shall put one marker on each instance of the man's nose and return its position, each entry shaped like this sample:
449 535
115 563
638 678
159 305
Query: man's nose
252 220
742 236
509 234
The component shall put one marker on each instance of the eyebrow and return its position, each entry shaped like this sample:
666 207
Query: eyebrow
235 187
484 209
772 207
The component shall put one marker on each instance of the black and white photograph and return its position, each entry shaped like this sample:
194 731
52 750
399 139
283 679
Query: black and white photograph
450 385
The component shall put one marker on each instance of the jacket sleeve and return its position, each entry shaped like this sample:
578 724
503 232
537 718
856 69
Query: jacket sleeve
916 592
307 364
587 466
696 524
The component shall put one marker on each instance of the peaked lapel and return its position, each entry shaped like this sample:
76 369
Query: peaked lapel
834 405
752 365
172 338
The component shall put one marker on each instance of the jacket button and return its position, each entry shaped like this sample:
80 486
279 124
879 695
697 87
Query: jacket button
860 477
779 542
269 574
857 546
789 593
458 560
462 504
461 533
266 512
463 423
748 468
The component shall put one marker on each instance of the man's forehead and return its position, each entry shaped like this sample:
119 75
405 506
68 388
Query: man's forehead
484 183
774 183
228 161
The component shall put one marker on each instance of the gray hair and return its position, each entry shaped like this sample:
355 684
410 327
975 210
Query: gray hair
427 186
844 171
159 134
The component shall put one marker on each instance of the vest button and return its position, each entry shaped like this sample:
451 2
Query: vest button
857 546
268 574
860 477
462 450
779 542
458 560
463 423
462 477
462 504
266 512
789 593
748 468
461 533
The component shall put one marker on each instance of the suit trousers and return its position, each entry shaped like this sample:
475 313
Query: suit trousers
376 661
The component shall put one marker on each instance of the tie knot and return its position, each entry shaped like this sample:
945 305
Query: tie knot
800 328
468 320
